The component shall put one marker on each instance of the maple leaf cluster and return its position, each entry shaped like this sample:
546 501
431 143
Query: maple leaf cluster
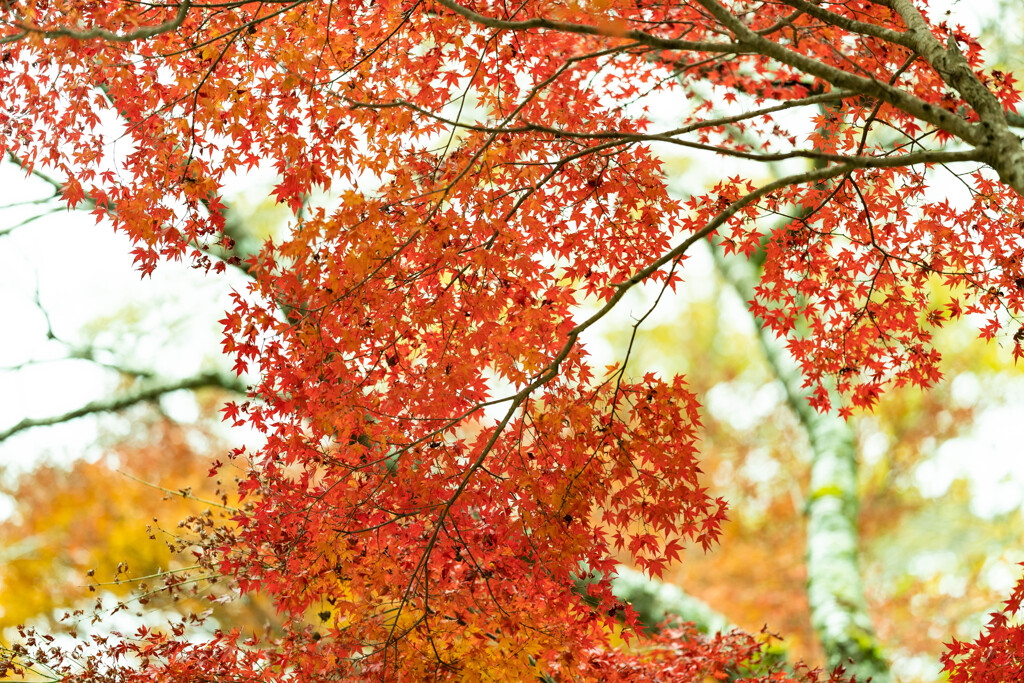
997 654
440 456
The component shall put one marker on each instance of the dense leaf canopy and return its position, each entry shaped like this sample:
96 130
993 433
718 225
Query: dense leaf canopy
442 458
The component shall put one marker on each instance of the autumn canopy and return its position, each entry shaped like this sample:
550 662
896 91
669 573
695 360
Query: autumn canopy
441 461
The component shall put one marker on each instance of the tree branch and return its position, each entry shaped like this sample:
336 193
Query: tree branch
103 34
851 25
585 29
909 103
1003 150
750 42
149 392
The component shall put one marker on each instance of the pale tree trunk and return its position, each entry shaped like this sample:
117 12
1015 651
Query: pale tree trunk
835 590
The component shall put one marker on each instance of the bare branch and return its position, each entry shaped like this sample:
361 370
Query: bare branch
181 493
20 163
85 353
149 392
31 219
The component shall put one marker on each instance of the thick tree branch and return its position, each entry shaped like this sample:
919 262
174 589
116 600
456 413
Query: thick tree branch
1002 147
147 392
915 106
851 25
102 34
751 42
588 30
